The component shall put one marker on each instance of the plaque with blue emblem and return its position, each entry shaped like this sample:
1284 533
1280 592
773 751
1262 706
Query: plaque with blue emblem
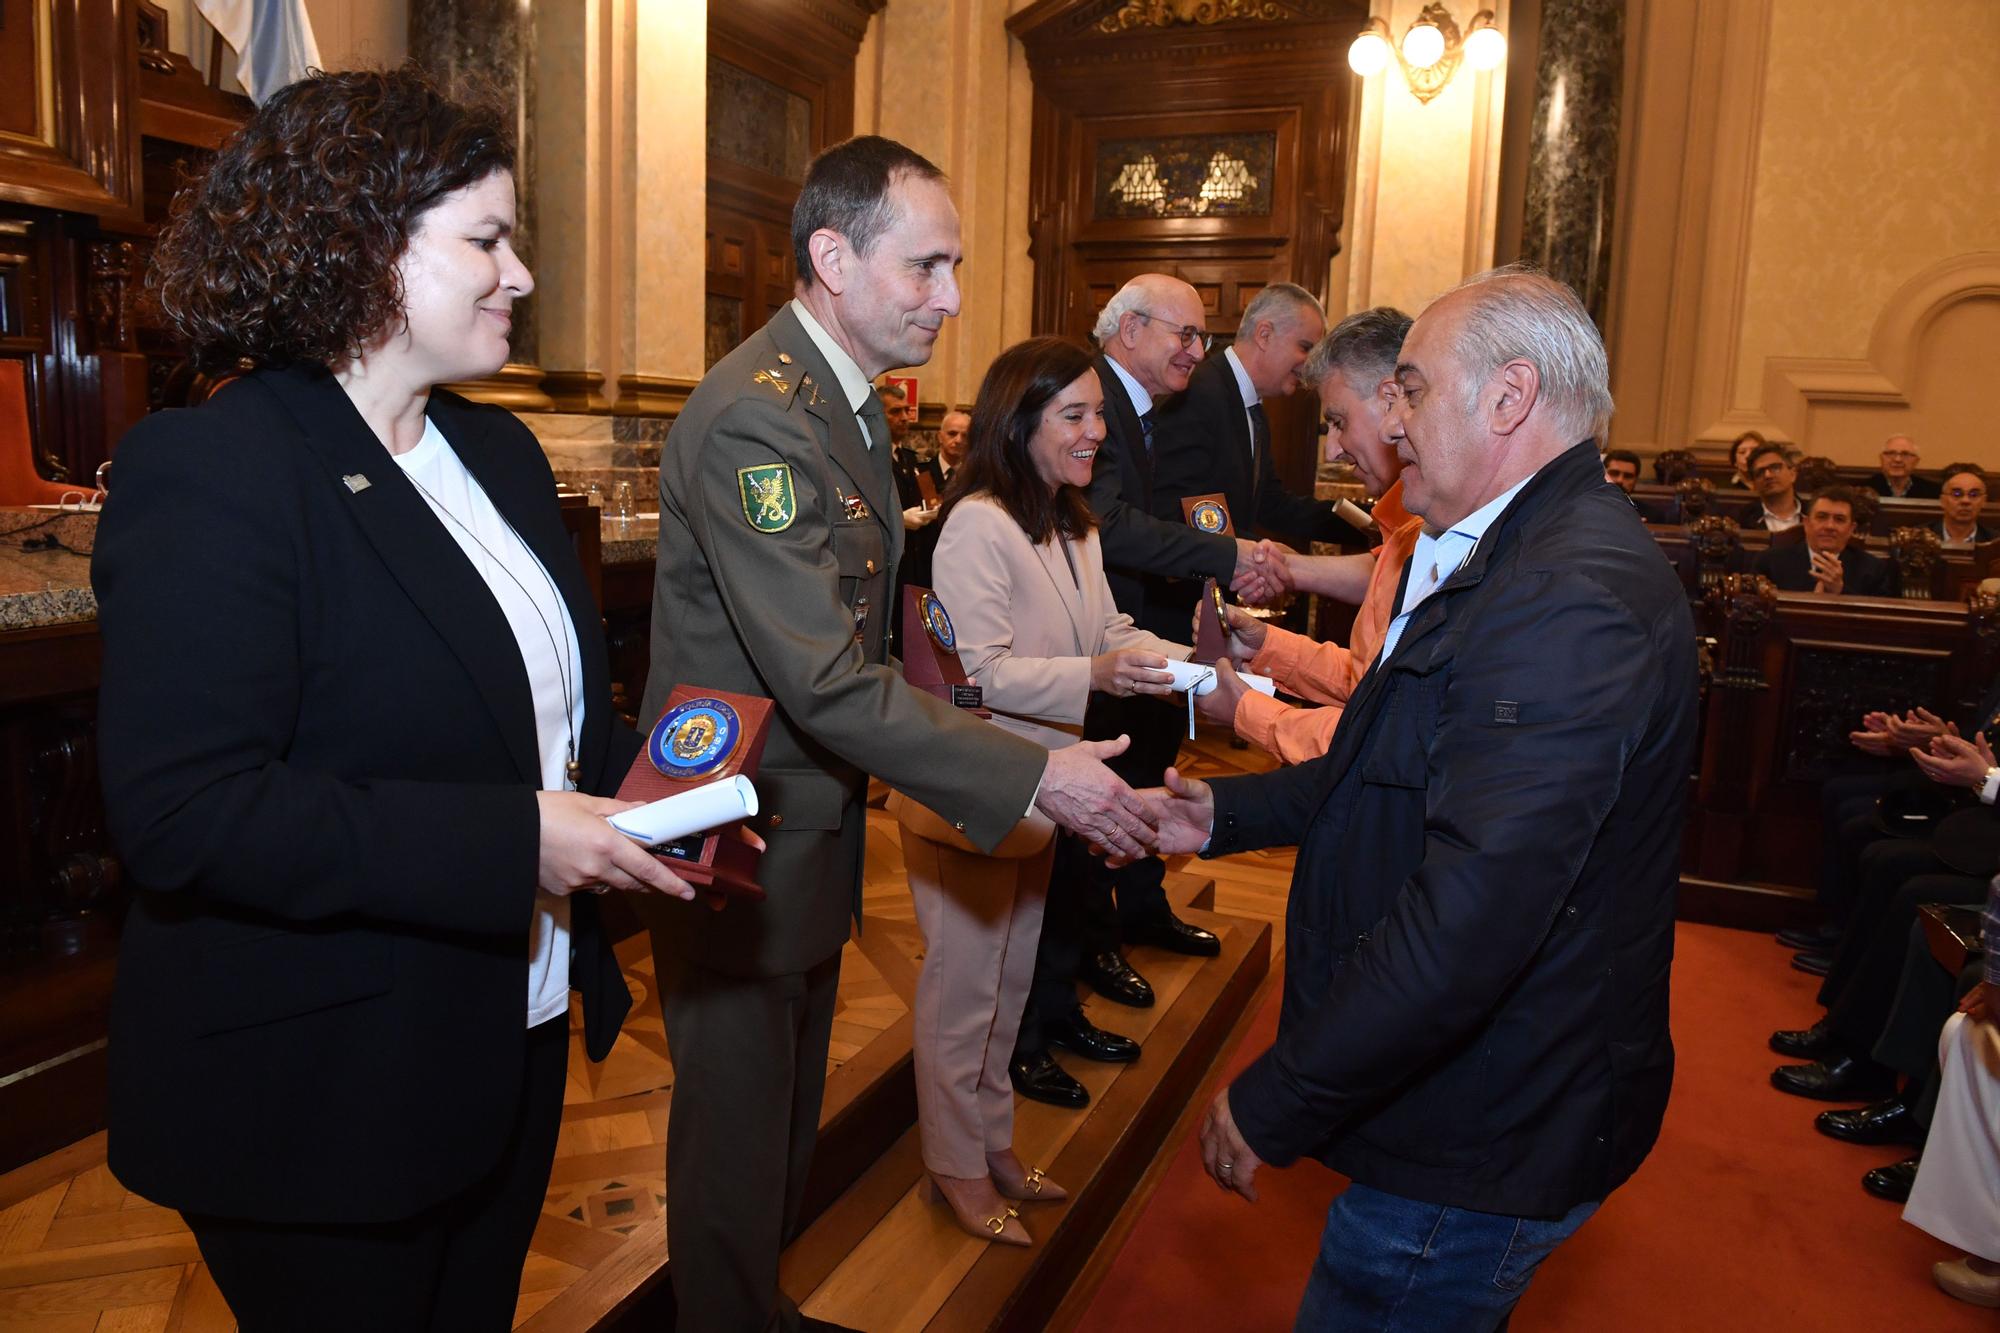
930 659
694 739
702 737
1208 513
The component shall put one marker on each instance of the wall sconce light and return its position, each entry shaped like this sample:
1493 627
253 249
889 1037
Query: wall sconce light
1431 49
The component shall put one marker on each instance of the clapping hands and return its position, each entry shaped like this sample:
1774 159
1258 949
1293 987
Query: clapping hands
1956 762
1884 734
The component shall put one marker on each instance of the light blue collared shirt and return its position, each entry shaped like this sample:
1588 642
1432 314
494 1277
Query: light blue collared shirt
1438 556
1142 402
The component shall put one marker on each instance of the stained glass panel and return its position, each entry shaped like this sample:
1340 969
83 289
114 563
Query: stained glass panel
1188 176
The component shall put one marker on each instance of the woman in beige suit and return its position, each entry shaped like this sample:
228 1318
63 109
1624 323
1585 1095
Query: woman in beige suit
1020 572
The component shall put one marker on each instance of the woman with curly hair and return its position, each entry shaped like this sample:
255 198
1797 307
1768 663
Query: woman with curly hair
354 697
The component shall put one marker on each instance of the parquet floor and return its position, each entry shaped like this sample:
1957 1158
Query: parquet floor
78 1254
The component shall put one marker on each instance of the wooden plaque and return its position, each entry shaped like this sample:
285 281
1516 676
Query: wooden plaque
927 488
930 651
703 736
1208 513
1211 625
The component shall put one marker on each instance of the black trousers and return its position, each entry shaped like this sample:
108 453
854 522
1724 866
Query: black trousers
749 1068
453 1268
1847 824
1090 906
1881 867
1925 998
1868 992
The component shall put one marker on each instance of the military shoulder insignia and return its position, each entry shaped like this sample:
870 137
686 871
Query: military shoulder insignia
769 502
774 378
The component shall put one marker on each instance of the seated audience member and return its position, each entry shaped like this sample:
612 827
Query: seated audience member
1956 1193
1897 876
1772 476
1746 444
1825 562
1022 579
1353 370
1898 479
1962 496
1621 469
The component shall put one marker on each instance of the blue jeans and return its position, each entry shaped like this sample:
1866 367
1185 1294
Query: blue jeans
1392 1264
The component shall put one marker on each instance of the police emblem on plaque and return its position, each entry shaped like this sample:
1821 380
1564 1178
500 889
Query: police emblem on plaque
694 738
936 623
1210 517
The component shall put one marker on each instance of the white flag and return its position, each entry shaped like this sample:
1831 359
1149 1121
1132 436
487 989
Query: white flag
273 41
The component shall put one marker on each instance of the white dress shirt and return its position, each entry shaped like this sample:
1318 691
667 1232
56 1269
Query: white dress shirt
1250 399
853 383
1437 556
1142 402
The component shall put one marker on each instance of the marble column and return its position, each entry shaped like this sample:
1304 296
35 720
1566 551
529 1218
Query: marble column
485 49
1573 146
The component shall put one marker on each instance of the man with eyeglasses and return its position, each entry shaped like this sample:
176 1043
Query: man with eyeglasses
1962 496
1775 481
1898 479
1152 334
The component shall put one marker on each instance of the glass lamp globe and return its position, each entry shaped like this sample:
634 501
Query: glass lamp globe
1423 45
1369 54
1485 48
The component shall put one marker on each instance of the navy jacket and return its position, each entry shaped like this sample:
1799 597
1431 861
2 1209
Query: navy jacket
1481 919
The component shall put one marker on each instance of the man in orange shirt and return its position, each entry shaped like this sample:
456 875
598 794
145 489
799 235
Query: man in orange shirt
1353 369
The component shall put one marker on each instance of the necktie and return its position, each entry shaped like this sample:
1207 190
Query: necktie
1260 434
1146 431
873 422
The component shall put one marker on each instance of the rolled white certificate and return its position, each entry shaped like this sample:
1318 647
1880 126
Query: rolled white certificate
1193 678
726 802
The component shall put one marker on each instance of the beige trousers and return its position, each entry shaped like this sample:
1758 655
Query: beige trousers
1956 1196
982 919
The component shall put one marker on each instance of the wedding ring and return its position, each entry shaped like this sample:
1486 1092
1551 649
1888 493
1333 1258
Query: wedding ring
1225 1167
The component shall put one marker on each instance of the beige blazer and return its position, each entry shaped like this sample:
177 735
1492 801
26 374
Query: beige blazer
1026 628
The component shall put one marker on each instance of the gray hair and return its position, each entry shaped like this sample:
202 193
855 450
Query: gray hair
891 389
1129 299
1275 302
1518 312
1362 347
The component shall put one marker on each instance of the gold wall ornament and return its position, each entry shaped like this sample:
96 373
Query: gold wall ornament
1916 552
1167 13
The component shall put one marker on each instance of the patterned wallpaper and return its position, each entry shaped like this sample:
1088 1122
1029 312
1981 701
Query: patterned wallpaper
1878 156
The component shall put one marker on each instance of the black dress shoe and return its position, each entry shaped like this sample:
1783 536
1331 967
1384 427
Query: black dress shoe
1176 936
1892 1182
1813 1043
1079 1036
1886 1121
1112 977
1810 939
1813 964
1838 1078
1043 1080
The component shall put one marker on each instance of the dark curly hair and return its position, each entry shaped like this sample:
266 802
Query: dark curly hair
285 249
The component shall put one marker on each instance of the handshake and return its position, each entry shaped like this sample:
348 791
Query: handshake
1082 795
1263 571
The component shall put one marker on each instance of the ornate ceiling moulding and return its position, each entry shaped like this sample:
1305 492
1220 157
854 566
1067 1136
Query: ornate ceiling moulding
1167 13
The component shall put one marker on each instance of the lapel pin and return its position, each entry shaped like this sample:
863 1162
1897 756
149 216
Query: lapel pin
356 483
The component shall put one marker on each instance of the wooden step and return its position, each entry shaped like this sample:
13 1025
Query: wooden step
884 1260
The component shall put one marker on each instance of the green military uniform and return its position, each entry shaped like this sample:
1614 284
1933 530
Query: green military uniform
779 536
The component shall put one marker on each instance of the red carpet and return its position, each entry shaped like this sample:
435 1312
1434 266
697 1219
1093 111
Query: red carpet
1742 1218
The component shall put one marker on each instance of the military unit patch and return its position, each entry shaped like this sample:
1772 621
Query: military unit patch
769 502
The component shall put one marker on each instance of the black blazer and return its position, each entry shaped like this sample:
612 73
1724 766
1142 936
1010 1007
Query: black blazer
1920 489
1202 447
1863 575
319 762
1481 918
1140 550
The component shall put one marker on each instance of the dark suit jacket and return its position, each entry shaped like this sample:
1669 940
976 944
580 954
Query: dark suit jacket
1920 489
1202 446
1482 915
319 764
1141 550
1980 532
1864 575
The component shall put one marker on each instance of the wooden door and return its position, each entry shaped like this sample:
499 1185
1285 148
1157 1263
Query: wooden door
1210 149
771 106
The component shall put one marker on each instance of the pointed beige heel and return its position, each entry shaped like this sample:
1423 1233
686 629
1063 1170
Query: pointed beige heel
979 1217
1023 1184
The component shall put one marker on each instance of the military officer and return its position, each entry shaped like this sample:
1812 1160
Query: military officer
779 537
